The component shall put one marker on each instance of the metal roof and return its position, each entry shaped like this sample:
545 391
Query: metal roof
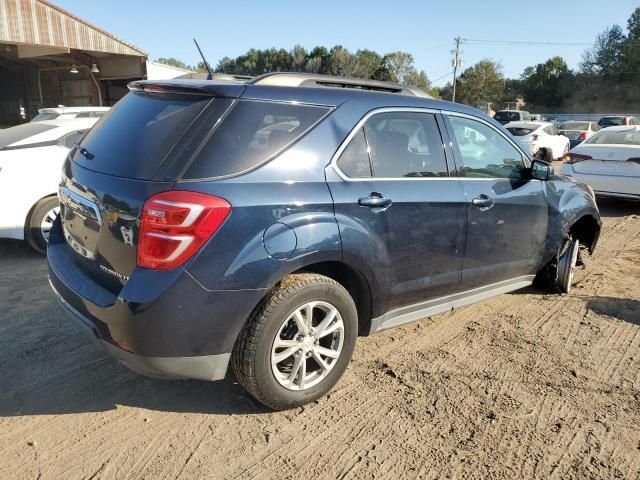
38 22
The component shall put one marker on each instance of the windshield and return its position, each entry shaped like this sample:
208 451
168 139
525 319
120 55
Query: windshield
520 131
12 135
507 116
574 126
620 137
611 121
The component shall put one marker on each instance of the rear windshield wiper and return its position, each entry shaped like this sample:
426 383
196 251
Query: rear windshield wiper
86 153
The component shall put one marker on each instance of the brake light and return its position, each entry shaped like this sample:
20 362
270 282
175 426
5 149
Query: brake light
582 137
572 158
634 160
175 224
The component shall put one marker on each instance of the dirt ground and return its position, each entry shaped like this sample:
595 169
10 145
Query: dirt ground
522 386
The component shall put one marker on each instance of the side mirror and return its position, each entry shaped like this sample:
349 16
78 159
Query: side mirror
541 170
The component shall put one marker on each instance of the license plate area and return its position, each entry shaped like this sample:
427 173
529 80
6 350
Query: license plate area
81 222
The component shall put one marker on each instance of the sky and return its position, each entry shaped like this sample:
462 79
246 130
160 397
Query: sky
426 29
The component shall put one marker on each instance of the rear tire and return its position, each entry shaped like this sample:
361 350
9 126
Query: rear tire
297 343
40 222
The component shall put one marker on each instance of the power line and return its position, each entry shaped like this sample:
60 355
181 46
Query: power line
443 76
518 42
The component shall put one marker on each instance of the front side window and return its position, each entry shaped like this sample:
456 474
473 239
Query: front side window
484 152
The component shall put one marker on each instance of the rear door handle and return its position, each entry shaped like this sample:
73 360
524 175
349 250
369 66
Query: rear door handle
483 201
375 200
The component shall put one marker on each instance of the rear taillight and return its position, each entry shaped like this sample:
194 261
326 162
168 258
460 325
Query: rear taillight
582 137
576 157
634 160
175 224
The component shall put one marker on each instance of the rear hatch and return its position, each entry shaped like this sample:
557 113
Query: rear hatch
135 151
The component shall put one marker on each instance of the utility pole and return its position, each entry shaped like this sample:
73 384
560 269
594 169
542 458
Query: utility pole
456 62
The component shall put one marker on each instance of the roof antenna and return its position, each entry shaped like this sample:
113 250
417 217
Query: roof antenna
206 64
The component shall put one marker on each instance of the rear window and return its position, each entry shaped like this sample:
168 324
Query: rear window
574 126
134 137
611 121
520 131
18 133
45 116
507 116
251 133
624 137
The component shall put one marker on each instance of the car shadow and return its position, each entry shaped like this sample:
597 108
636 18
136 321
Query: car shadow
612 207
625 309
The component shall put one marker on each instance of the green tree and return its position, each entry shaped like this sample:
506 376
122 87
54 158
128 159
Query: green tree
547 84
481 83
174 62
605 58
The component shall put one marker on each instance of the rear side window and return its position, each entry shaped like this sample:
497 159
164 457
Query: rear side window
405 144
135 136
250 134
354 161
12 135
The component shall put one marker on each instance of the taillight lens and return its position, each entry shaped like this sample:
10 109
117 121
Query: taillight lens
634 160
576 157
582 137
175 224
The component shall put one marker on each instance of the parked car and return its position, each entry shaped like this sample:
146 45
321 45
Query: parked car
534 135
31 156
507 116
609 162
577 131
189 241
617 121
66 113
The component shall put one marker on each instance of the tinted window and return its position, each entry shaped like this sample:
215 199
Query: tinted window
18 133
250 134
520 131
405 144
611 121
551 130
354 161
507 116
45 116
485 153
134 137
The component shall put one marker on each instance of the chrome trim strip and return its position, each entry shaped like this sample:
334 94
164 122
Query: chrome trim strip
66 196
354 132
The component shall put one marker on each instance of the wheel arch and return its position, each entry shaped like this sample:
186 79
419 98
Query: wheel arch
353 281
587 230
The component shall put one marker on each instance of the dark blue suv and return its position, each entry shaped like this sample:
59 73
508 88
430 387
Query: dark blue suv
265 225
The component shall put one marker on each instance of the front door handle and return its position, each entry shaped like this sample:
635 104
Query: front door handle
483 201
375 200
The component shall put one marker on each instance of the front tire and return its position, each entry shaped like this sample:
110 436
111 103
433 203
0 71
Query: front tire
40 222
557 275
297 343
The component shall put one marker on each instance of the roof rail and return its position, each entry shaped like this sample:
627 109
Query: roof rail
332 81
218 77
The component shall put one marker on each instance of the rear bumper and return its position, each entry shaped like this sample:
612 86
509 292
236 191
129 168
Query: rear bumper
615 186
161 324
205 367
